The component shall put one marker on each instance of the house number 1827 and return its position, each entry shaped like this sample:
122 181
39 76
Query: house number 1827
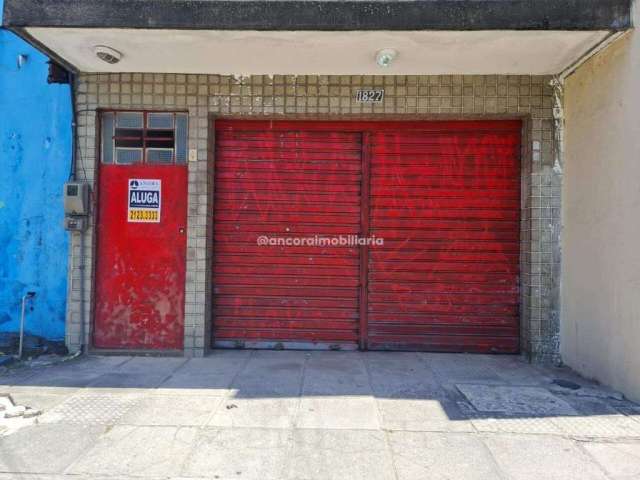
370 96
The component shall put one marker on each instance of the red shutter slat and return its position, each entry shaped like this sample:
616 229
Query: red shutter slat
448 206
285 184
444 196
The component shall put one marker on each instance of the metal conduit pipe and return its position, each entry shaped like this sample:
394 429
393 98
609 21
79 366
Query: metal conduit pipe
27 296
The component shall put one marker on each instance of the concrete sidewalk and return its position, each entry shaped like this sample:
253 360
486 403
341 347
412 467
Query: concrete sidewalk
316 415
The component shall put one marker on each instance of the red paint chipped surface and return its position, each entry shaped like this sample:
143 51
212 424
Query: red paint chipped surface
140 269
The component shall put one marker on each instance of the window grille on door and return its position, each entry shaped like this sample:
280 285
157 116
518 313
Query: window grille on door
130 138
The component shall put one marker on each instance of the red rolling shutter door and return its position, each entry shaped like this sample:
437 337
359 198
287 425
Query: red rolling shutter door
447 202
285 183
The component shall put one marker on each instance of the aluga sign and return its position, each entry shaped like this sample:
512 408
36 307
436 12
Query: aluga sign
144 201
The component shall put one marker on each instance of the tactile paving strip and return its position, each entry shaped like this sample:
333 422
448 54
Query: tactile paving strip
91 409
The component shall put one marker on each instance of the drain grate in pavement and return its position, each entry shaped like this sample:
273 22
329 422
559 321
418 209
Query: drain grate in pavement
515 400
91 409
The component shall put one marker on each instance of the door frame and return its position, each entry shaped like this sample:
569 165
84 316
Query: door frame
94 201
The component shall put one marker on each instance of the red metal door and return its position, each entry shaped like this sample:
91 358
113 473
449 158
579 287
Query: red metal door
285 180
140 269
446 199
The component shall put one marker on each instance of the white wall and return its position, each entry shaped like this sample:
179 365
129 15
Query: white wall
600 323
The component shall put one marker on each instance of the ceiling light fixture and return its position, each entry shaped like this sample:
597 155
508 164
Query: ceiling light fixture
107 54
385 57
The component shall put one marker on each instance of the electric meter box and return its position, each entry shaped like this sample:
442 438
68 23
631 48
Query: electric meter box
75 224
76 198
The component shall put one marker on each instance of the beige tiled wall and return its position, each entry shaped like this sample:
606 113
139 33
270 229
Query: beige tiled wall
429 97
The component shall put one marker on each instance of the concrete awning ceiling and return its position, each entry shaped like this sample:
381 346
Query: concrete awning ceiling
320 37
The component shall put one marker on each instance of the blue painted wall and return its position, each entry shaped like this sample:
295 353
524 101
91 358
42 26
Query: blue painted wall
35 157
